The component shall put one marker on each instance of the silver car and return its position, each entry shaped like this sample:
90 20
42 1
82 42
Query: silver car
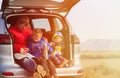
47 14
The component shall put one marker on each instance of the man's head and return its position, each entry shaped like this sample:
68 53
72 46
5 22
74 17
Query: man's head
22 22
37 34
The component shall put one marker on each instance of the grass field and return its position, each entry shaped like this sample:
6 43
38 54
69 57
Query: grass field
100 64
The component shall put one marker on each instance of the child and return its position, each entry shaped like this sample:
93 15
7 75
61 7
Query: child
58 46
36 45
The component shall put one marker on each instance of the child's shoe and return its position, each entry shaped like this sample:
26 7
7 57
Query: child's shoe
54 76
47 75
41 70
37 75
70 63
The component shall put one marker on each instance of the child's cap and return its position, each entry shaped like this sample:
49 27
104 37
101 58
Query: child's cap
57 34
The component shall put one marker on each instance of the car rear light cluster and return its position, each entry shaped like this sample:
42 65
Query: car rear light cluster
8 73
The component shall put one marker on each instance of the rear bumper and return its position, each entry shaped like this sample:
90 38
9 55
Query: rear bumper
71 71
71 75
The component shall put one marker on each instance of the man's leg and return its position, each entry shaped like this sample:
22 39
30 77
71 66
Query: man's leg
29 64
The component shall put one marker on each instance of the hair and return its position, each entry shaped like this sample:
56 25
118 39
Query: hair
37 31
22 19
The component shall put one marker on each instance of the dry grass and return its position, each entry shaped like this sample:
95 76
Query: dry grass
103 65
98 55
100 71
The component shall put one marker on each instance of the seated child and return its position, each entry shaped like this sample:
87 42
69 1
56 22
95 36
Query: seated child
58 46
37 45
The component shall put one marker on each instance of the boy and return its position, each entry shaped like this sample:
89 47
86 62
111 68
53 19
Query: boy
36 44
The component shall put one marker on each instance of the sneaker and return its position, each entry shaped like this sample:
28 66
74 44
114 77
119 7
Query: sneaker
71 63
47 75
54 76
37 75
41 70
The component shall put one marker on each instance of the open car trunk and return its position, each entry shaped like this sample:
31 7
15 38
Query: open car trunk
62 7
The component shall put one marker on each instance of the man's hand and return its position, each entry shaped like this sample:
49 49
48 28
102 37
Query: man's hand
24 50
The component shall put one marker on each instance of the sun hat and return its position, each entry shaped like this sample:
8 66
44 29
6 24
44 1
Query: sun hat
57 34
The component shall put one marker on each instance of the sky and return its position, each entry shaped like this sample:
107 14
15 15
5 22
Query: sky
96 19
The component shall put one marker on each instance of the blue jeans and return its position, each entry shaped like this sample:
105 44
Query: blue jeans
30 64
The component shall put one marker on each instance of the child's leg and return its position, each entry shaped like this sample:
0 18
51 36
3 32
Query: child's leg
43 62
51 67
55 60
41 68
61 58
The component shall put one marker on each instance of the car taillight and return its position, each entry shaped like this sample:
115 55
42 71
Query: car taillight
8 73
75 39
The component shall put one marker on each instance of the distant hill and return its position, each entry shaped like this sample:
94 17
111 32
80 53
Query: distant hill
100 45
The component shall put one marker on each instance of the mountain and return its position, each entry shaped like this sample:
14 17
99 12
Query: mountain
100 45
